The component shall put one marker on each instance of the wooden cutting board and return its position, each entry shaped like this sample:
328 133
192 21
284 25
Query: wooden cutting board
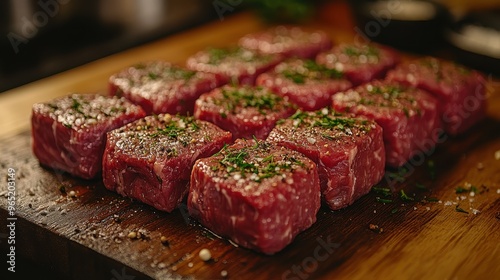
80 230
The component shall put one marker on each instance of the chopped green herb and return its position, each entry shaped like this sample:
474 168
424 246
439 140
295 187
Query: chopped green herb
394 211
294 76
420 186
407 113
399 176
459 209
432 169
218 55
331 123
173 128
383 191
62 189
405 197
259 98
180 73
358 51
327 137
239 161
153 76
383 200
432 199
312 70
461 189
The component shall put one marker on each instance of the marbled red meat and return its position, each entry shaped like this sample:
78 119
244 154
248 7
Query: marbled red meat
69 133
304 82
257 194
151 159
409 116
239 65
245 111
360 63
160 87
461 91
289 41
349 152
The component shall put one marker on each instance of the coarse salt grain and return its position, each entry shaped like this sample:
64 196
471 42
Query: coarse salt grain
223 273
205 255
497 155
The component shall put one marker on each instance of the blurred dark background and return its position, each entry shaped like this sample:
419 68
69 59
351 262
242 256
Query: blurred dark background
44 37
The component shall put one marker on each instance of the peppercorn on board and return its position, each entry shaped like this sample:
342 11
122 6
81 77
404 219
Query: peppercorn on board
88 231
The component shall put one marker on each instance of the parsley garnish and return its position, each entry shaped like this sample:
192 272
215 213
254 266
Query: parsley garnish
383 191
420 186
399 176
248 97
173 130
153 76
459 209
358 51
432 169
331 123
238 161
405 197
383 200
313 70
461 189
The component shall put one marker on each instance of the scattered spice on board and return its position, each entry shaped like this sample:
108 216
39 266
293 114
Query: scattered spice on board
375 228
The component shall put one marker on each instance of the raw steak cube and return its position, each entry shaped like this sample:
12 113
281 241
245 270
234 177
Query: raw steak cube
409 116
461 92
151 159
244 111
305 83
238 64
360 63
160 87
69 133
256 193
349 152
289 41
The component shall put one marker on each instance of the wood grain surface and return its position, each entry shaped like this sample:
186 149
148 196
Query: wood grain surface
80 230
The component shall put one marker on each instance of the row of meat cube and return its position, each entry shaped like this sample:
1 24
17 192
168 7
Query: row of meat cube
290 145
